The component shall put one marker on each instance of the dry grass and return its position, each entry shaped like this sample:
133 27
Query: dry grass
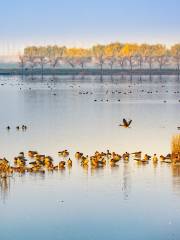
175 144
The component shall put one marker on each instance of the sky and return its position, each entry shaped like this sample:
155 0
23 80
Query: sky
86 22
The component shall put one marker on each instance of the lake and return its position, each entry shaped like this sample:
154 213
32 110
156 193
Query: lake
130 201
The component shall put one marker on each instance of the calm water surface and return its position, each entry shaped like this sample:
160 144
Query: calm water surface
127 202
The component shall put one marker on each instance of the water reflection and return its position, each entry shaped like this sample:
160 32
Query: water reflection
176 178
59 117
5 184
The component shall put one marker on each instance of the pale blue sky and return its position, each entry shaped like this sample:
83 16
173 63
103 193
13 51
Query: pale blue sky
85 22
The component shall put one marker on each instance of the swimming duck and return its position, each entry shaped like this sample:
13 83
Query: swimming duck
84 161
137 154
69 162
155 158
126 156
63 153
78 155
62 164
32 153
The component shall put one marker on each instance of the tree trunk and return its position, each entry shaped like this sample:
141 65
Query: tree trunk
22 70
101 69
42 70
111 68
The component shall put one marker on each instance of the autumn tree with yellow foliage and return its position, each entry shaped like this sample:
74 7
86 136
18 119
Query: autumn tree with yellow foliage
116 54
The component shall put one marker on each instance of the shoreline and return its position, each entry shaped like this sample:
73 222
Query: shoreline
87 72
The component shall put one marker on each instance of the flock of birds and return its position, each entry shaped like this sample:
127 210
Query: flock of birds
39 163
19 127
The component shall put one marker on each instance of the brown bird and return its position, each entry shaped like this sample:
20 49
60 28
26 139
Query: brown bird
126 123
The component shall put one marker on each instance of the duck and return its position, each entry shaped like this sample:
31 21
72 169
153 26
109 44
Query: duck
62 164
155 158
146 158
126 156
137 154
116 157
78 155
24 127
84 161
63 153
69 162
32 153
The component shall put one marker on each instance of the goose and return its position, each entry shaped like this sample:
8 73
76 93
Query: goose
126 124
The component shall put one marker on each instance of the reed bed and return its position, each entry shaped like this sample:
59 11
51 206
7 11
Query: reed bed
175 146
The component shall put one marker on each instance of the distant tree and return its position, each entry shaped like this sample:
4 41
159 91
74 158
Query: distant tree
98 53
70 57
82 56
22 63
129 51
55 55
175 53
111 53
42 58
161 55
31 55
150 55
142 54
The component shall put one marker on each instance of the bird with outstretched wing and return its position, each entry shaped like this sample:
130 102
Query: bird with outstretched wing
126 124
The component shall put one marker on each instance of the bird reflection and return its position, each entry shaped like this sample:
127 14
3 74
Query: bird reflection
126 184
4 188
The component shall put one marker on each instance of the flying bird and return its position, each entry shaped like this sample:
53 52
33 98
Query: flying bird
126 123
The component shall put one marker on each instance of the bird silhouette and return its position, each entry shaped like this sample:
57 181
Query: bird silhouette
126 124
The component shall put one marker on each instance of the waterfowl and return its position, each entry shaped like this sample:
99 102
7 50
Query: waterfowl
108 154
137 154
146 158
84 161
116 157
78 155
24 127
62 164
21 154
166 159
69 162
126 156
8 128
32 153
63 153
155 158
126 124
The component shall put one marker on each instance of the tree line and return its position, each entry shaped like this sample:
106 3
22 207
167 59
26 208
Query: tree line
124 56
